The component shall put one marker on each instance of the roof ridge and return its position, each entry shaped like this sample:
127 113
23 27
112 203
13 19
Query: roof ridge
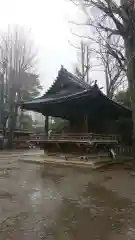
53 83
77 79
71 77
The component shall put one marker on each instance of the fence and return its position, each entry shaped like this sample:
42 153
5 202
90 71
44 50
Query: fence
124 150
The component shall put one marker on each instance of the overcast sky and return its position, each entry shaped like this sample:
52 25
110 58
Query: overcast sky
51 33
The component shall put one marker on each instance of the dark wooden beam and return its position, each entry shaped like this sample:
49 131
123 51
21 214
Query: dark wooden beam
86 123
46 125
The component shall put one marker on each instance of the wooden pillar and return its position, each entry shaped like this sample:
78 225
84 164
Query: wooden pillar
46 125
86 123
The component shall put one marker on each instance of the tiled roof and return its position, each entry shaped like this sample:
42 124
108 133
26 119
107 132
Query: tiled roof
65 77
58 98
74 89
73 78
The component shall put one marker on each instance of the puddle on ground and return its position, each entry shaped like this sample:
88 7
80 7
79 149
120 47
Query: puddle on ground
65 204
6 195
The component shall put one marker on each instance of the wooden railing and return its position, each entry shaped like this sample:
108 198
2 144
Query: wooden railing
84 136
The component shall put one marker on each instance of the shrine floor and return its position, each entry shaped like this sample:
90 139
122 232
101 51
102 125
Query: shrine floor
45 202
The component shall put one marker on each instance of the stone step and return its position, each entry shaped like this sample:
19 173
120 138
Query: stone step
70 155
81 158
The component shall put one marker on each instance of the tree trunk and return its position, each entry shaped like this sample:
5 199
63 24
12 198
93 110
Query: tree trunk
1 100
82 58
11 128
129 41
107 81
130 49
12 117
131 81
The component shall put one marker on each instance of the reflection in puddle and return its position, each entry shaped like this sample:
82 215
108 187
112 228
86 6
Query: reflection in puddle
68 206
35 195
131 233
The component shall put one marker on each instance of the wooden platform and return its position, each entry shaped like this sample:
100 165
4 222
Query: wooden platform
77 144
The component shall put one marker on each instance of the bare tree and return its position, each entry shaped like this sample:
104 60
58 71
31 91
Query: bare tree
82 67
107 49
18 58
115 75
122 18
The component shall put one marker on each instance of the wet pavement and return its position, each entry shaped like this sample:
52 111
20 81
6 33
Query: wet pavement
44 202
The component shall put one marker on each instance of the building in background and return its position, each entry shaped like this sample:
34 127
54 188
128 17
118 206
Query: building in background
38 117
